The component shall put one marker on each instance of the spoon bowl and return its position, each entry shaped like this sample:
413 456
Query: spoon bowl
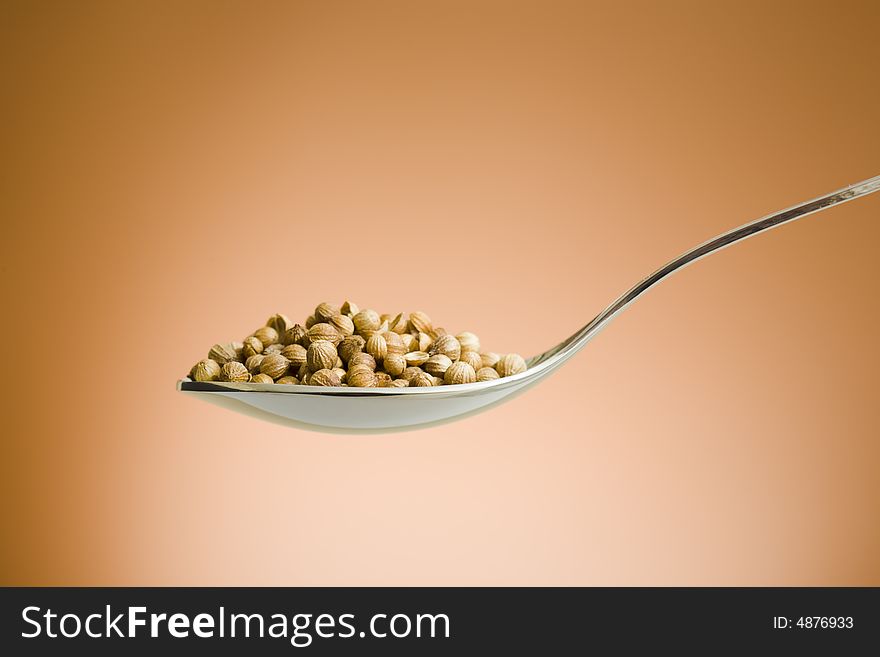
361 410
383 410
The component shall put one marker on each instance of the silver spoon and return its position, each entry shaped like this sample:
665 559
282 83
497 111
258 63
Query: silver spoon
382 410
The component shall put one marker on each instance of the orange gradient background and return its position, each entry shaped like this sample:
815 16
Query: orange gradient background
174 173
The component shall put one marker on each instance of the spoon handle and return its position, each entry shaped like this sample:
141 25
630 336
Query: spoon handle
579 339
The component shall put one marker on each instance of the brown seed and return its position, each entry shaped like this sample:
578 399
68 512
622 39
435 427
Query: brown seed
234 371
460 373
419 321
425 341
310 321
487 374
275 365
356 368
490 358
410 342
324 377
276 348
472 358
446 345
366 320
468 341
252 346
394 364
341 373
294 335
321 355
361 377
437 364
399 383
362 358
394 343
288 380
303 372
510 364
237 350
410 372
324 331
350 346
377 347
398 324
383 379
423 380
221 353
261 378
266 335
416 358
295 353
325 311
438 381
280 323
343 324
253 363
205 370
349 308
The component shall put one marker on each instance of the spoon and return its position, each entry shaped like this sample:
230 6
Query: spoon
382 410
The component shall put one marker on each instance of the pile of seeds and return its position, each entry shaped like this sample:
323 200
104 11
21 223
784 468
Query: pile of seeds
346 346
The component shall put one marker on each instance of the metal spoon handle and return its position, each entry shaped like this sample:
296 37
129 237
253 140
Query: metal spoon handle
579 339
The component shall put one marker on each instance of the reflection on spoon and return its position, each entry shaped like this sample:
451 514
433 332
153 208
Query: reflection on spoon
382 410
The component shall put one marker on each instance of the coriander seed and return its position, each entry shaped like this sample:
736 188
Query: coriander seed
487 374
280 323
294 335
473 359
266 335
468 341
361 377
510 364
234 372
437 364
422 380
350 346
394 364
416 358
295 353
253 363
366 320
377 347
343 324
252 346
325 311
221 353
446 345
459 373
205 370
275 365
362 358
420 322
324 377
321 355
324 331
410 372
